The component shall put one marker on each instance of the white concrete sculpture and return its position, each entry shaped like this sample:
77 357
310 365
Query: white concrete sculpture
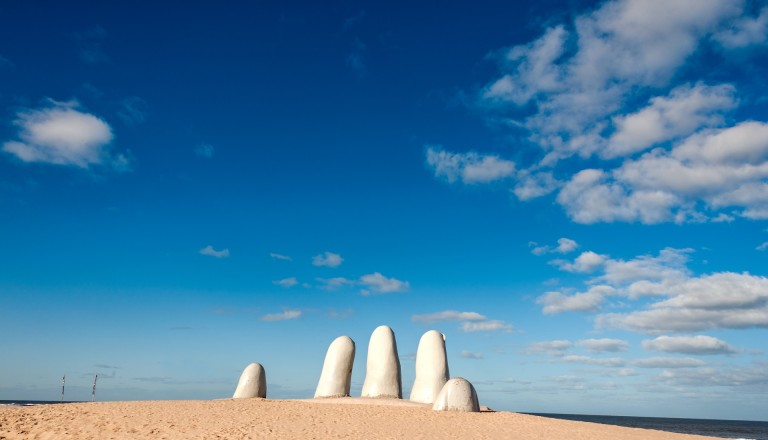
252 383
457 395
382 373
336 377
431 367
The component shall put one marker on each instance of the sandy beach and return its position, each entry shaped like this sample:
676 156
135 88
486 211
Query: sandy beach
292 419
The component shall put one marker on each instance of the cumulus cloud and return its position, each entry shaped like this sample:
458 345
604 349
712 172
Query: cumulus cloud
532 184
723 168
485 326
668 362
589 301
745 31
378 283
605 89
335 283
448 315
604 345
697 345
280 257
603 362
678 300
285 315
762 247
577 75
564 246
470 355
686 109
286 282
748 377
470 321
469 168
327 259
61 134
372 284
720 300
553 348
211 252
669 266
587 262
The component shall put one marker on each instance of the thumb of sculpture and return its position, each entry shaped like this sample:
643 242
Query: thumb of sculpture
336 377
252 383
431 367
457 395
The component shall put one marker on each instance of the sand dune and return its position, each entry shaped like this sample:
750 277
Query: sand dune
292 419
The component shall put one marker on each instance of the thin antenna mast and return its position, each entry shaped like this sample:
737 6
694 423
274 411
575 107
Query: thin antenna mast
63 381
94 388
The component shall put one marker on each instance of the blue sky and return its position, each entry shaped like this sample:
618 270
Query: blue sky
574 193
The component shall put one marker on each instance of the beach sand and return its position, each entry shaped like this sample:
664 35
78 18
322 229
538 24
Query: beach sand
292 419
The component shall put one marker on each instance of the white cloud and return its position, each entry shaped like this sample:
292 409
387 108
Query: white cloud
747 377
724 168
591 196
745 31
668 362
720 300
61 134
327 259
603 362
604 345
210 251
686 109
536 71
378 283
470 321
679 301
667 267
469 168
485 326
538 250
554 348
605 87
531 185
564 246
762 247
470 355
286 282
448 315
577 75
280 257
285 315
698 345
587 262
589 301
335 283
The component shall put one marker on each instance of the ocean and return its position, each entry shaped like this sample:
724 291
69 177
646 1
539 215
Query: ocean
31 402
733 429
